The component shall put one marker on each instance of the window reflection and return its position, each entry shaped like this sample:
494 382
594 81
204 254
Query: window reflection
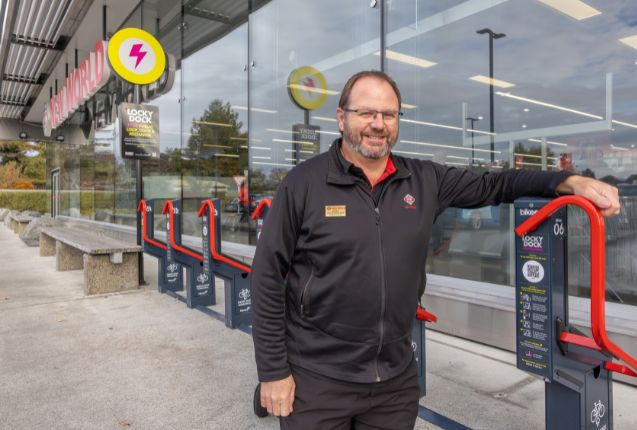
562 100
282 134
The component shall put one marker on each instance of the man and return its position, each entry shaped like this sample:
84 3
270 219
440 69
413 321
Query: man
340 266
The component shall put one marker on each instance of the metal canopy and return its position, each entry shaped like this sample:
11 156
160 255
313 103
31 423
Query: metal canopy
33 36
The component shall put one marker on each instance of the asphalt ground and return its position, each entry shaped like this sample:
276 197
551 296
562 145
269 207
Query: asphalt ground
143 360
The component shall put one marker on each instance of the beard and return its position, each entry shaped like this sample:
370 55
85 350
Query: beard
354 142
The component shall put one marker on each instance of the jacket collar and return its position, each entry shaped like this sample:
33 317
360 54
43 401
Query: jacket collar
336 173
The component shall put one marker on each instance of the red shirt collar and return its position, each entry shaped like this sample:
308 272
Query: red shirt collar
390 169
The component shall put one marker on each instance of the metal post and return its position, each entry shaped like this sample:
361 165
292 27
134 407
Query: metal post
544 154
139 195
473 120
492 36
104 22
491 101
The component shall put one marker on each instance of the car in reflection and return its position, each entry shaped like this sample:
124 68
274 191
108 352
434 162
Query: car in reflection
479 218
234 206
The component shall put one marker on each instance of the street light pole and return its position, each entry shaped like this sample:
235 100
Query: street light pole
492 36
473 120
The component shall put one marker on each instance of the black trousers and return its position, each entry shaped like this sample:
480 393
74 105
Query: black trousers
321 403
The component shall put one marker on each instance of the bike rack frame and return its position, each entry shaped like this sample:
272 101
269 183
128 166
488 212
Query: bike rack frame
170 273
201 288
577 369
260 213
235 274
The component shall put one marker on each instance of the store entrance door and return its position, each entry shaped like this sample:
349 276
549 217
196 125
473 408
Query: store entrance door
55 192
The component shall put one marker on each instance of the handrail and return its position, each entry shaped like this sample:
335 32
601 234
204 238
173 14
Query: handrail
142 208
213 247
257 212
168 208
597 258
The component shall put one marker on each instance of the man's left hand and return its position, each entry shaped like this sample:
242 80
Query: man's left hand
603 195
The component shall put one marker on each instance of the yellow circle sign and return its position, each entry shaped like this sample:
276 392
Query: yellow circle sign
136 56
307 87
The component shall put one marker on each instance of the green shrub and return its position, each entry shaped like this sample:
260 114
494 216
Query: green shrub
25 200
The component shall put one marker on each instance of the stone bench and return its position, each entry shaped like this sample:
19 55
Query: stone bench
109 264
19 222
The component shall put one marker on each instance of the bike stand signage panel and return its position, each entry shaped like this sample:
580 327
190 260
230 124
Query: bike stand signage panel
237 292
578 390
170 273
200 291
532 291
207 289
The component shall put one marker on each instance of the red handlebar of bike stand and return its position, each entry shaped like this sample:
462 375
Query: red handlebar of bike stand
257 212
600 339
425 316
142 208
168 208
213 234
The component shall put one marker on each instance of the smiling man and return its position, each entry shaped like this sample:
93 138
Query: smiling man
340 265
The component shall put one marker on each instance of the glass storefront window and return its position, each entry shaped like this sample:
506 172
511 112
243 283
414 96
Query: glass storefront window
284 38
558 95
562 97
214 118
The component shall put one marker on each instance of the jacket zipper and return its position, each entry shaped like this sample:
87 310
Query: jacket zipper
382 291
383 287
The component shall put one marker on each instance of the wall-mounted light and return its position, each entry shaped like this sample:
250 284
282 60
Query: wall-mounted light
574 8
59 138
495 82
23 135
408 59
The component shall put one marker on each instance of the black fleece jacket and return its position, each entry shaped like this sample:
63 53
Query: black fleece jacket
336 278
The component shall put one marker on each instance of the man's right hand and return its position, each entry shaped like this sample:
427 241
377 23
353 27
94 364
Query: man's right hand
278 396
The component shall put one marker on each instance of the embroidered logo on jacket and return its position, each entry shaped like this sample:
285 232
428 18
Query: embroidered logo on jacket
410 200
335 211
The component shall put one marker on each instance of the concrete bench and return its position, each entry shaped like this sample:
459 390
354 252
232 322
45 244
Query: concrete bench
109 264
19 222
7 218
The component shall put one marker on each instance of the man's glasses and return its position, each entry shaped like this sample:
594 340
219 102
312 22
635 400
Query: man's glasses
368 115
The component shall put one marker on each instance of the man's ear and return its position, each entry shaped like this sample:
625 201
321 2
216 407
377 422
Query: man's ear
340 117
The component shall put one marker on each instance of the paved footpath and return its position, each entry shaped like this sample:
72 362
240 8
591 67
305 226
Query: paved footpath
142 360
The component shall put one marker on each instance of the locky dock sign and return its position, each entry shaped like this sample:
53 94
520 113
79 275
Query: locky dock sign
140 131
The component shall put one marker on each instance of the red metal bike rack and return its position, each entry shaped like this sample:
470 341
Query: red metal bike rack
423 315
213 242
142 208
168 208
600 340
257 212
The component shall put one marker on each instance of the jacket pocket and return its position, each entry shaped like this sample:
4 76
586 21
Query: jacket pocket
305 295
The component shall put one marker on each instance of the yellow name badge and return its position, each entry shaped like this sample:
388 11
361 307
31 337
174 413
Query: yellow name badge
332 211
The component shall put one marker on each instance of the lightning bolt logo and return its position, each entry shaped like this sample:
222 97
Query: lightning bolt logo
136 52
309 83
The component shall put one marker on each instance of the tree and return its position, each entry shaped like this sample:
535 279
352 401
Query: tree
535 152
258 182
10 174
11 151
588 173
35 169
215 145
